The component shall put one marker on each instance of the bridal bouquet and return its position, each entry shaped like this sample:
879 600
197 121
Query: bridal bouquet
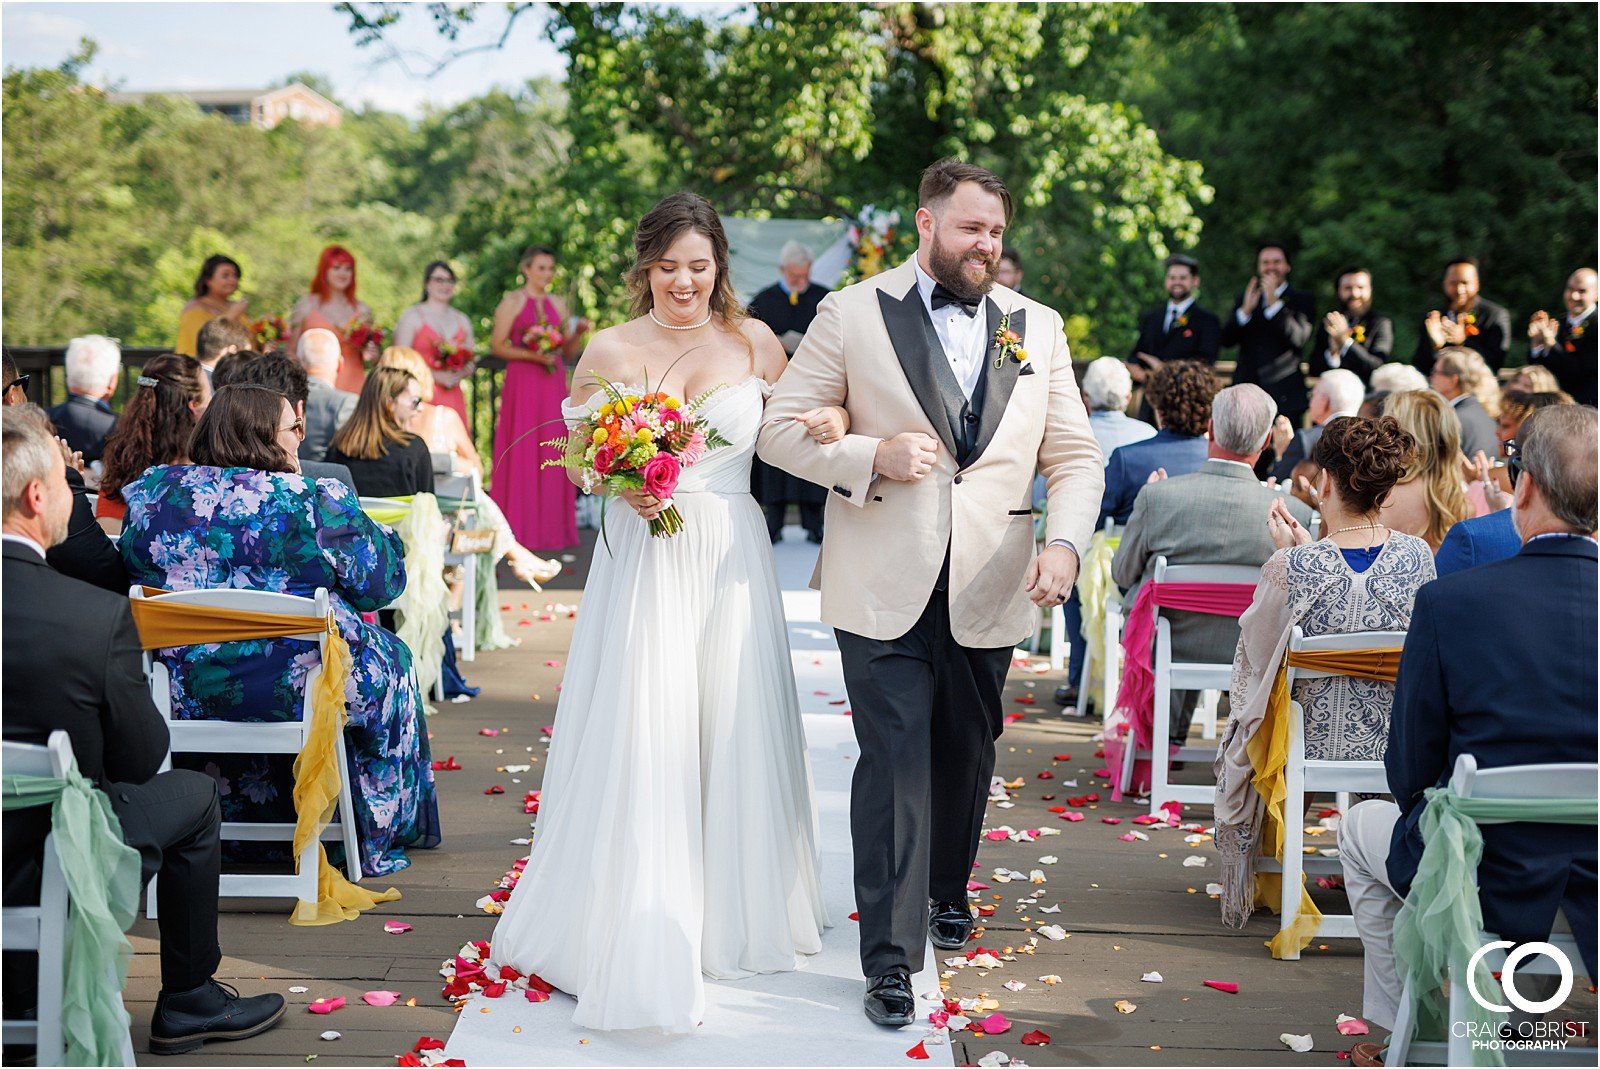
639 441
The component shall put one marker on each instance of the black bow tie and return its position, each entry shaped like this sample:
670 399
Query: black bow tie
942 297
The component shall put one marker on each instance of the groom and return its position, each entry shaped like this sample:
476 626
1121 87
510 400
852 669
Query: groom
929 568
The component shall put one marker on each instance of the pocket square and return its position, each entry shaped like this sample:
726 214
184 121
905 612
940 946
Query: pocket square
1027 369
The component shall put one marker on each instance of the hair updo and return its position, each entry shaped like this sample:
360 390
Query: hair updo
1365 458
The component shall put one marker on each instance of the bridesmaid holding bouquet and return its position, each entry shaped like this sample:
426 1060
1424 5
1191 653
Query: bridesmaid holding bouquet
443 335
532 334
332 305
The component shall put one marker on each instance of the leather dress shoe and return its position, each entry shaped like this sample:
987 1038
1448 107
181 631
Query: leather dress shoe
949 924
185 1020
1066 694
889 999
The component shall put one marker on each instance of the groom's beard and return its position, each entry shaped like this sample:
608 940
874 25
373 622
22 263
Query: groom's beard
949 268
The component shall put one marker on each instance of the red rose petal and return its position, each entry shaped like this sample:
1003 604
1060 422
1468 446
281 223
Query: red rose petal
428 1043
1061 757
1224 985
919 1052
1035 1039
496 789
855 916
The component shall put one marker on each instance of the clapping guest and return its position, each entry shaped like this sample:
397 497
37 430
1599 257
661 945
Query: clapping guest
1355 337
1464 318
1519 692
1337 393
1360 576
1271 324
1461 377
431 325
72 663
154 429
238 516
1430 498
1180 393
332 305
84 418
1568 347
214 291
378 446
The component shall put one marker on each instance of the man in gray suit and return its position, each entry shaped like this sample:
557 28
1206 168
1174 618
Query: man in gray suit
1217 515
326 407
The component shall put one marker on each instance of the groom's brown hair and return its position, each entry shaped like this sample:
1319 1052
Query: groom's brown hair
942 177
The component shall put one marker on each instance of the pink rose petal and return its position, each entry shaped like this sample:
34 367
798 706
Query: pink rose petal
1224 985
1351 1026
326 1005
1111 820
1072 817
396 927
380 998
994 1024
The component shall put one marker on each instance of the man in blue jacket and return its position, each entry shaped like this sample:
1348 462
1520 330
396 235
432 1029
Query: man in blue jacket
1521 692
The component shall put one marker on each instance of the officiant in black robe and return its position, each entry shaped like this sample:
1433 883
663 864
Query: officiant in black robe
788 306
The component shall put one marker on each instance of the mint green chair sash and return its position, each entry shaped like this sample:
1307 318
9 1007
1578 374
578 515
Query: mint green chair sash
102 874
1439 924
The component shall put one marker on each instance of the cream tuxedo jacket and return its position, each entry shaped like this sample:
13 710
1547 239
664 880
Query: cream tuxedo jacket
872 350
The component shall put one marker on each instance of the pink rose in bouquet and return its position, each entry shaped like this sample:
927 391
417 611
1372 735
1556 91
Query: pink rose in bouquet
661 476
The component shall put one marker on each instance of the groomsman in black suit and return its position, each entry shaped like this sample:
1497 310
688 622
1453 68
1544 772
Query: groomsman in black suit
1567 347
1355 338
1464 318
1178 330
1271 324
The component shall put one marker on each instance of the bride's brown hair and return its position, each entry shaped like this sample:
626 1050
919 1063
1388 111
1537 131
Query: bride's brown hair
664 224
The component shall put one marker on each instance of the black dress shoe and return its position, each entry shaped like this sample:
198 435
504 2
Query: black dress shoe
949 924
814 537
1066 694
889 999
185 1020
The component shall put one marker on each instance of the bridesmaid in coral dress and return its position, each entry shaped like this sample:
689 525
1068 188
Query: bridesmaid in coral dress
332 305
431 324
539 503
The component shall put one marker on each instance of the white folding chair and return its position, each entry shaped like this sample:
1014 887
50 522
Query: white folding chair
278 737
1172 676
468 487
43 928
1303 777
1565 780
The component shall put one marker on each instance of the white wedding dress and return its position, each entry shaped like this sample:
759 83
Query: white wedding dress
676 834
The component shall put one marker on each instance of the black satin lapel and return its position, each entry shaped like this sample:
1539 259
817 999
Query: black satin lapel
999 381
914 345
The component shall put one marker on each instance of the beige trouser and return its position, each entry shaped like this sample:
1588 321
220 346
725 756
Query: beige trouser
1364 836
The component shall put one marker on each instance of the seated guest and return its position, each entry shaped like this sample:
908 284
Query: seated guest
1491 537
377 444
1180 393
72 663
84 418
154 429
1535 378
1217 515
1520 692
1397 378
1359 577
277 372
1337 393
85 553
1461 377
1303 483
1107 389
238 516
1430 498
222 336
327 406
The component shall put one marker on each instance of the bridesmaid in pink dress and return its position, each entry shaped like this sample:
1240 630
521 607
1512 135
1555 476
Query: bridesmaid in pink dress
332 305
425 326
540 503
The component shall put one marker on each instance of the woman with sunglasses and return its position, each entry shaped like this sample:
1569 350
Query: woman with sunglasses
378 444
240 515
440 333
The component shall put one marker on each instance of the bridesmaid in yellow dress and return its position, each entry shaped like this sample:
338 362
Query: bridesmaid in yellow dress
213 296
431 323
332 305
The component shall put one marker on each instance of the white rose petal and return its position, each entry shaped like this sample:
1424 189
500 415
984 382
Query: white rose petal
1298 1044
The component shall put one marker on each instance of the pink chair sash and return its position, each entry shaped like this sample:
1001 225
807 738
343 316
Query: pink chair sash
1136 694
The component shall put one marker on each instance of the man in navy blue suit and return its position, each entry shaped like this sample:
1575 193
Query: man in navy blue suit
1520 692
1180 393
1477 540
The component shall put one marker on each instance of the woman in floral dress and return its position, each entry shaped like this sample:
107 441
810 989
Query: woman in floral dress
241 516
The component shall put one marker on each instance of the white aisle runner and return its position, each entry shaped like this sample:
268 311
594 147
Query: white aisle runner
808 1017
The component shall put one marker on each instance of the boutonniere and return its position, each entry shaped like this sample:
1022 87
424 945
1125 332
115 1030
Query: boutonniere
1471 320
1359 334
1009 342
1181 321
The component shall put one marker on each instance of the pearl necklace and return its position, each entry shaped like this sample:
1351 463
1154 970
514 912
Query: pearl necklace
668 326
1356 527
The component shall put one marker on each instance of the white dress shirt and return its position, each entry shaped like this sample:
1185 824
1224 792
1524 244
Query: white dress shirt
1174 311
1265 310
961 335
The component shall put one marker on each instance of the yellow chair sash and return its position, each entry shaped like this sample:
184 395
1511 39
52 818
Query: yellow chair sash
1094 583
164 624
1269 756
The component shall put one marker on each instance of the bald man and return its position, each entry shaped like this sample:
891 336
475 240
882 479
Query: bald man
327 406
1567 346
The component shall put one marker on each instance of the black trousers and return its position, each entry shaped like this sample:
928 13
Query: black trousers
926 712
175 823
810 518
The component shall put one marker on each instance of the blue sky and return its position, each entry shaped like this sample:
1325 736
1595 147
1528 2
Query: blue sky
239 45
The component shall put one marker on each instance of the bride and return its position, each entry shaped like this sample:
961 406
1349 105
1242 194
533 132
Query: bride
676 835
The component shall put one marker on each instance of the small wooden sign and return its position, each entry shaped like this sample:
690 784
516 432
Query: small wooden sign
466 541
